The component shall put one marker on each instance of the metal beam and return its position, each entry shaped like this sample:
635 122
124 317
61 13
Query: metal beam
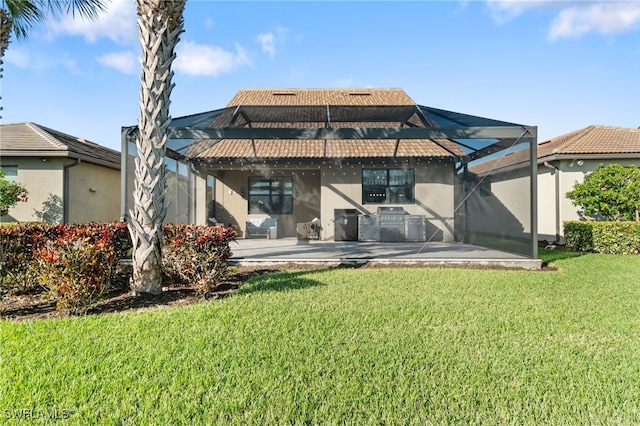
506 132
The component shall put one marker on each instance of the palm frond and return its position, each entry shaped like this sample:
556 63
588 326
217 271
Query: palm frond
29 14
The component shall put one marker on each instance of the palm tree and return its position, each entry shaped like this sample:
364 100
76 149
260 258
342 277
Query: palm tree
160 23
22 16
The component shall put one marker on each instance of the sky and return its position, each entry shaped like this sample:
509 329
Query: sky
557 65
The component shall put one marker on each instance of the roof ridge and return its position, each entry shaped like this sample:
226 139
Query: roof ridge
572 138
47 136
581 136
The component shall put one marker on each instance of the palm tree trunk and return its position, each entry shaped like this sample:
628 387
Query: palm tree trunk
160 23
5 33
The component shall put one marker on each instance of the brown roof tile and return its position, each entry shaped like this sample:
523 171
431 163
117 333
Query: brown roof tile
591 140
321 97
229 149
25 139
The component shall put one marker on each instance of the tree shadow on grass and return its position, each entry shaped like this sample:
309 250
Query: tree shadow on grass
280 281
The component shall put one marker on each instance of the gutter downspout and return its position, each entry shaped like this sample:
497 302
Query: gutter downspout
557 198
65 190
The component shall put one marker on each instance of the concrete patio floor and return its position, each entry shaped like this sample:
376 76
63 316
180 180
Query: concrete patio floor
291 250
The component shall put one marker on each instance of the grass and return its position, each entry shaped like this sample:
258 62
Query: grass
349 346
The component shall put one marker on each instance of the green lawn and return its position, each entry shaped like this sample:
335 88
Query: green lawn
349 346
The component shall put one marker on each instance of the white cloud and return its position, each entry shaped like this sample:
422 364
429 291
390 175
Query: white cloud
503 11
125 62
602 17
268 43
118 23
18 57
574 18
197 59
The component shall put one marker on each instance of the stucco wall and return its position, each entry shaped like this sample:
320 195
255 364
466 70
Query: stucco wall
514 196
44 181
94 194
231 194
498 211
319 190
570 173
342 189
546 204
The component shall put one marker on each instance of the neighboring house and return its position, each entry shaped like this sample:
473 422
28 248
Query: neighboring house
338 156
561 162
70 180
564 160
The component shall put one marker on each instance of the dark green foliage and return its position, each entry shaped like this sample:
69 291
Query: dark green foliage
610 192
603 237
11 193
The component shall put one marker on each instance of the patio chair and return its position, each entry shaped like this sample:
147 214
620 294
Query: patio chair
262 228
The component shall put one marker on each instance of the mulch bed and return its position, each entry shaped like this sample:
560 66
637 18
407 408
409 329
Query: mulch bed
36 305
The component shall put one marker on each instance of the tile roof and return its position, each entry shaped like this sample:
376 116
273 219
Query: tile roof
321 97
591 142
30 139
310 149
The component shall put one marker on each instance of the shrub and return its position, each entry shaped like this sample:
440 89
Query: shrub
18 243
11 193
76 267
578 236
610 192
20 269
603 237
197 254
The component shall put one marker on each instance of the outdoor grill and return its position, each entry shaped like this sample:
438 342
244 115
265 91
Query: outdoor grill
392 223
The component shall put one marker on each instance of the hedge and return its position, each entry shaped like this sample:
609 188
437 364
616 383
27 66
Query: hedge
75 263
603 237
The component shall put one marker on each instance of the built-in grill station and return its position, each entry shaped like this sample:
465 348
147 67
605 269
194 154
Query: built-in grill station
392 223
388 224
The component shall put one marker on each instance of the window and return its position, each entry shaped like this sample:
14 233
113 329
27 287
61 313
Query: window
10 173
271 196
387 186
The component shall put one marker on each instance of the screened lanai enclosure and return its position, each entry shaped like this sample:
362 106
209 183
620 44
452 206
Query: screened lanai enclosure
349 165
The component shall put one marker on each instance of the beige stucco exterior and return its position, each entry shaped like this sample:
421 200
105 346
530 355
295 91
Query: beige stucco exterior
318 190
44 178
94 194
570 171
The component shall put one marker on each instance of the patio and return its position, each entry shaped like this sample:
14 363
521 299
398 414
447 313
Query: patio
434 254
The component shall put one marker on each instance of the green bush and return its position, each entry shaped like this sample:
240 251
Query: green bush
603 237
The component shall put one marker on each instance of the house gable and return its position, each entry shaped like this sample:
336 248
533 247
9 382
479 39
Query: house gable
33 140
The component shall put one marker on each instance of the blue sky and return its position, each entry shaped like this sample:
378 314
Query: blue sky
558 65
